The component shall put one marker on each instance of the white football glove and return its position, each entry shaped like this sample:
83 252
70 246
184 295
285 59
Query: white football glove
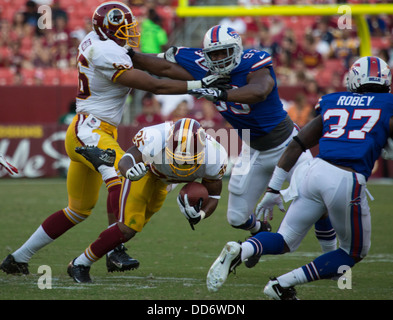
210 94
216 81
192 213
265 207
387 151
136 172
169 55
9 167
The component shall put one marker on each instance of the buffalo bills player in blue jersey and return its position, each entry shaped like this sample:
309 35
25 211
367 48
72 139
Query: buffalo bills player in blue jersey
352 128
253 107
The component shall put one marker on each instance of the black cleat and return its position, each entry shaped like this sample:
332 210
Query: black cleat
79 273
274 290
10 266
119 260
97 156
265 227
252 261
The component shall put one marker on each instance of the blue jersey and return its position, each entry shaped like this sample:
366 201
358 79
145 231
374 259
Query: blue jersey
260 118
355 128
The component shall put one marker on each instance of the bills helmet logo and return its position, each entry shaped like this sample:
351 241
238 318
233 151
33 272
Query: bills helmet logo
233 33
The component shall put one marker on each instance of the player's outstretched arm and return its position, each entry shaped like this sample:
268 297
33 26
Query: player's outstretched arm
259 85
160 67
307 138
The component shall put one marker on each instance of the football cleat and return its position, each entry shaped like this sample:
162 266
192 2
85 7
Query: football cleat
265 227
97 156
226 263
10 266
253 260
79 273
119 260
274 290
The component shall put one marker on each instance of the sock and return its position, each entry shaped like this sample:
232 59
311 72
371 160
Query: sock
256 227
37 240
249 224
59 222
327 265
113 200
247 250
292 278
107 240
326 235
52 227
264 243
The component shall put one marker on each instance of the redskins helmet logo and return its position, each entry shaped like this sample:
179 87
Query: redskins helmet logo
114 17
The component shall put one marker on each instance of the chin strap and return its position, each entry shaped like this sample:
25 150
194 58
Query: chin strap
103 34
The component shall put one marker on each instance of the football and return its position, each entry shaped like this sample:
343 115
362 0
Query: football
194 191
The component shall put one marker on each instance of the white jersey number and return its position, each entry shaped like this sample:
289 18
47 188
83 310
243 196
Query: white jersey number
338 129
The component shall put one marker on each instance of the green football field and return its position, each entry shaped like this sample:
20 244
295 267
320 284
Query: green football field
174 260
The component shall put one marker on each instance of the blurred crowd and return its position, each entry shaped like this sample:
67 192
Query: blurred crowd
308 52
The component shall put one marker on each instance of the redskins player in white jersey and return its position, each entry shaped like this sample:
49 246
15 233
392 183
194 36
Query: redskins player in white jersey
161 155
106 76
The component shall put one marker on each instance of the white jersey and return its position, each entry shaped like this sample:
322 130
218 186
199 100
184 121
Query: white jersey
99 64
151 142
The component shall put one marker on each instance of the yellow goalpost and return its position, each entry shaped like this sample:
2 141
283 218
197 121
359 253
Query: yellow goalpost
355 11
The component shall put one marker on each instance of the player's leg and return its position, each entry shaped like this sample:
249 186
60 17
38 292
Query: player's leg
350 215
303 212
248 181
135 197
324 231
83 186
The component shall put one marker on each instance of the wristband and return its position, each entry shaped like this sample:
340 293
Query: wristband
278 178
194 84
300 143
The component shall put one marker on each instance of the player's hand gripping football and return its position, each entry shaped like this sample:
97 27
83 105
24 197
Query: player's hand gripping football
265 207
136 172
9 167
192 213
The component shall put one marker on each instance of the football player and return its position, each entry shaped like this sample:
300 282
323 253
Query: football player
252 106
351 129
106 76
160 156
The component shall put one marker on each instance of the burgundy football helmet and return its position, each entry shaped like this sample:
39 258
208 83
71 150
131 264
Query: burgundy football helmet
185 147
115 20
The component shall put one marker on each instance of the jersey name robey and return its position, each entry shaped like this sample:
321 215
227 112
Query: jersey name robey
363 101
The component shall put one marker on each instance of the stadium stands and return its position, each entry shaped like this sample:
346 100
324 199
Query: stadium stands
32 56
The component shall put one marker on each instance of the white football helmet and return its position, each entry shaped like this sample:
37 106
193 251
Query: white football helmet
222 38
369 74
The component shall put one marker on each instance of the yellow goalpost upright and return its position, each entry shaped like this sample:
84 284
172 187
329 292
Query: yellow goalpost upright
355 11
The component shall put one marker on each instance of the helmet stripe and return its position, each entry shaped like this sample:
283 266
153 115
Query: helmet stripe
184 133
374 68
215 32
